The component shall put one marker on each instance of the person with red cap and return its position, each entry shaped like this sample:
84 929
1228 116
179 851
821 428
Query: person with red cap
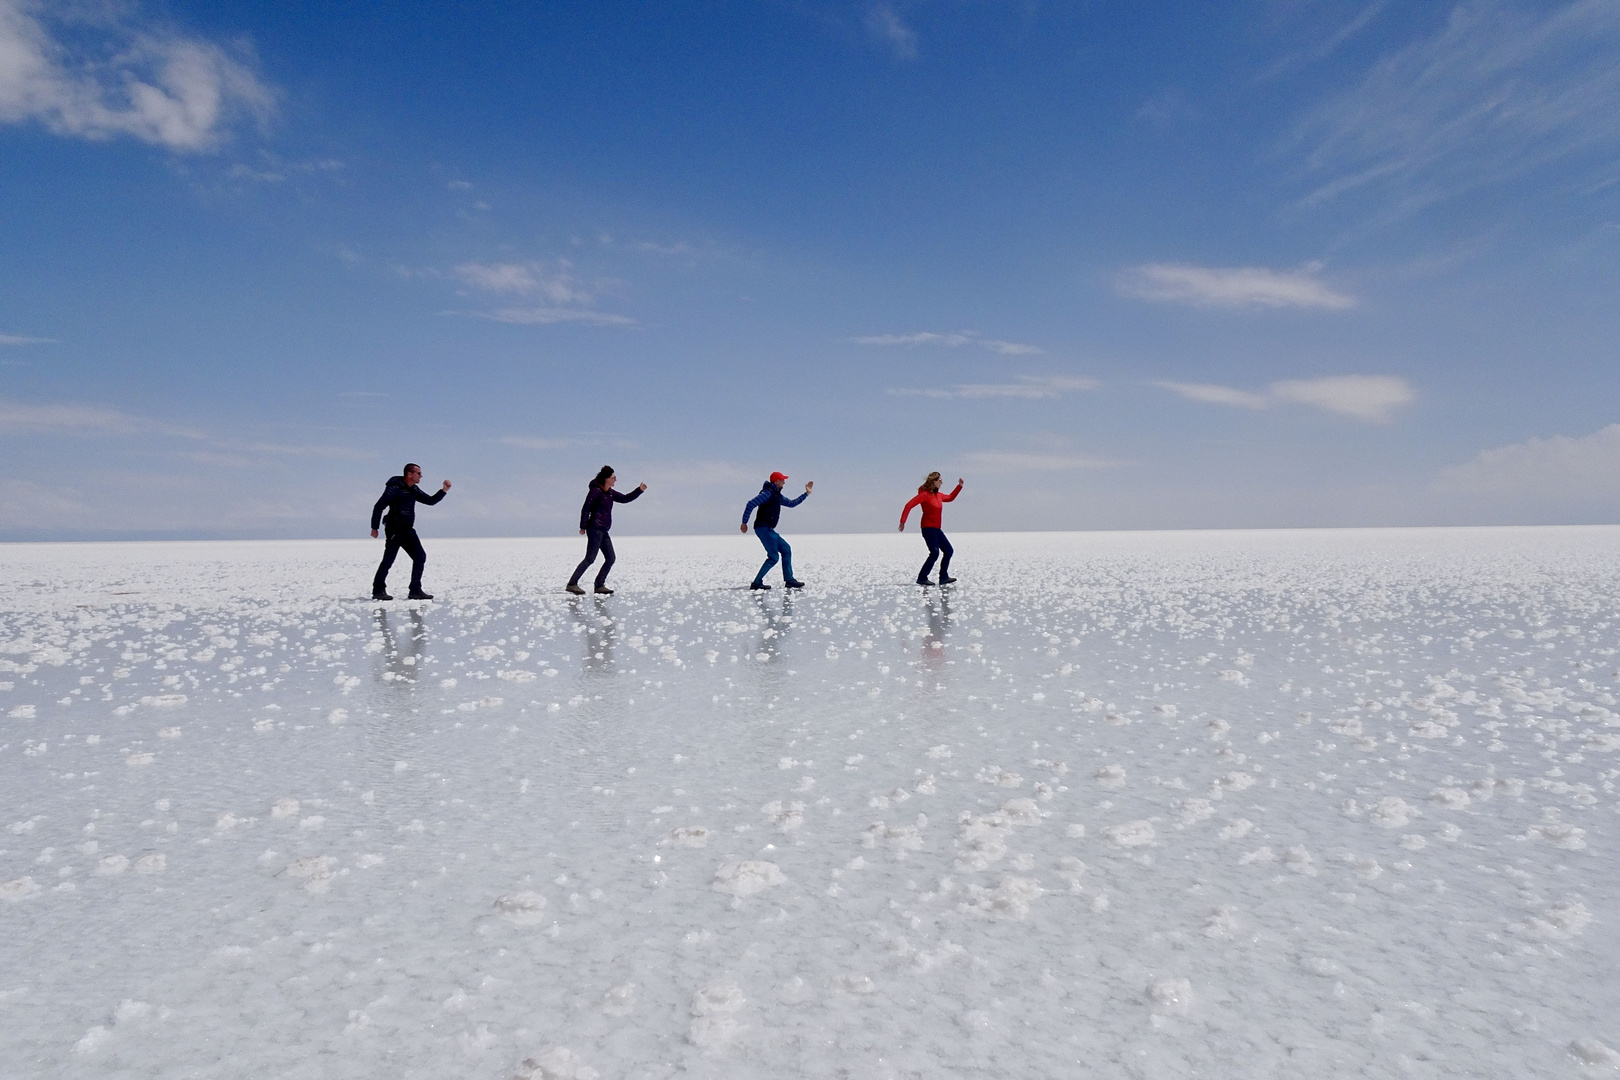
933 515
767 510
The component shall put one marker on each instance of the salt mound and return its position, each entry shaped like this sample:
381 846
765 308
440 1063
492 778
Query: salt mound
748 877
522 908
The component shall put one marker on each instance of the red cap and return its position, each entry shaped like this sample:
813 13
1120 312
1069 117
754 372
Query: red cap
778 477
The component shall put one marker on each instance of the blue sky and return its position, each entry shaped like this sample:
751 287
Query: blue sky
1121 266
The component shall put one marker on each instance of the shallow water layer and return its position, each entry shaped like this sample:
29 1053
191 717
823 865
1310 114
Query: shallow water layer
1157 805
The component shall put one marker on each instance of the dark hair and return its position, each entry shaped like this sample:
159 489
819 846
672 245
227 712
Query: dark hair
409 465
601 477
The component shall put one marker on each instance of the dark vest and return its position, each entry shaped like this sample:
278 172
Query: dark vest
769 512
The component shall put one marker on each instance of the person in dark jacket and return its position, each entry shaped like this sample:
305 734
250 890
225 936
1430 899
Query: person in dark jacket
767 510
400 496
595 519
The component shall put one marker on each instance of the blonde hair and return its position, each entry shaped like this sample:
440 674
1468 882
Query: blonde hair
931 478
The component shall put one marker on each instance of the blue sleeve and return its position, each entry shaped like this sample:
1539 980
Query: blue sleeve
796 502
754 504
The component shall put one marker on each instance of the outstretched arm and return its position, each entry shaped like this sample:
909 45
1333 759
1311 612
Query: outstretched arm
915 501
800 499
632 497
954 493
433 498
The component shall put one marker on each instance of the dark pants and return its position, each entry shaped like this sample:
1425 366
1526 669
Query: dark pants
937 544
595 540
407 539
776 549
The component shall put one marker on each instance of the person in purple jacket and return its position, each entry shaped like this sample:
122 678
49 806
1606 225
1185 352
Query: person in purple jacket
595 519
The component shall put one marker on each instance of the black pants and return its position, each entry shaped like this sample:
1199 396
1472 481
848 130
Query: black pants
407 539
937 545
595 540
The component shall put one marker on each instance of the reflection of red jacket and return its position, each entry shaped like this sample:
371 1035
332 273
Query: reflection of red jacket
932 503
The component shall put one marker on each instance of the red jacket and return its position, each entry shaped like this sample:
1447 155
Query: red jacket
932 503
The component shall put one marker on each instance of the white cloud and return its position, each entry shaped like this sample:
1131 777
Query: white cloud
71 419
1217 395
1372 398
19 339
546 316
1007 461
1027 386
1232 287
564 442
951 340
526 278
1502 89
885 24
104 78
1365 397
459 185
1557 466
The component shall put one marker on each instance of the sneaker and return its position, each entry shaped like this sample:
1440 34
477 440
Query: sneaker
381 596
943 580
758 585
575 589
604 590
794 583
419 595
923 581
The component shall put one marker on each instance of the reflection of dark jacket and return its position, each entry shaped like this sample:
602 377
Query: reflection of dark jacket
597 513
400 499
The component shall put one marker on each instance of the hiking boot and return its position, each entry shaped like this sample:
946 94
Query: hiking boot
575 589
923 581
381 596
758 585
794 583
604 590
418 594
943 580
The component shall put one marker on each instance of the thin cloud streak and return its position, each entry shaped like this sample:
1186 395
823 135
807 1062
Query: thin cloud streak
950 340
19 339
1232 287
547 316
1028 387
82 420
1370 398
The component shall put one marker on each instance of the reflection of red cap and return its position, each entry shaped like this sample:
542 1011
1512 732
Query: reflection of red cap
778 477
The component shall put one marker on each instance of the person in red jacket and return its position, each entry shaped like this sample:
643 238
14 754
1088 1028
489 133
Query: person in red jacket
932 503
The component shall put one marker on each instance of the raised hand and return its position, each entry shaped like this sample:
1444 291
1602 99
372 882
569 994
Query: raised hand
808 485
643 487
447 485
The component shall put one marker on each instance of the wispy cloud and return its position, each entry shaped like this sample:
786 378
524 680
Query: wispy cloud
1504 88
884 23
952 340
83 72
564 297
19 339
84 420
1008 461
1026 386
546 316
1587 466
1372 398
1233 287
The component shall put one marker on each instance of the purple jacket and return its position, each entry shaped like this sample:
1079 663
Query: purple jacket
597 513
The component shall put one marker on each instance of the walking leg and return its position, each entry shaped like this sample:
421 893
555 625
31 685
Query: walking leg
787 559
592 545
379 583
945 563
413 547
767 537
607 560
931 538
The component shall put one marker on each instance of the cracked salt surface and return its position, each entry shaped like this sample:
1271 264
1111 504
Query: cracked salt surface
1216 805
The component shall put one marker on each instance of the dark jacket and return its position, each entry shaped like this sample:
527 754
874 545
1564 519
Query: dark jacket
597 513
400 499
767 506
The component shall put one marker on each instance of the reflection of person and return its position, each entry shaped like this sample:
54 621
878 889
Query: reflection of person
932 503
767 510
400 496
595 519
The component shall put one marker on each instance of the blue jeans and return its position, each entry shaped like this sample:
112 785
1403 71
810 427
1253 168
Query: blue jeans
937 545
596 540
775 548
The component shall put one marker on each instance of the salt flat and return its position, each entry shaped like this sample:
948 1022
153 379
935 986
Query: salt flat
1334 803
